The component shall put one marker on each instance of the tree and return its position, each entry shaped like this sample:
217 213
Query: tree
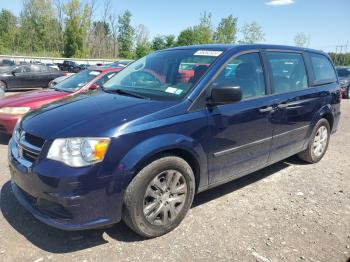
252 33
39 26
170 41
226 30
143 46
158 43
187 37
301 40
8 31
77 22
199 34
203 31
125 36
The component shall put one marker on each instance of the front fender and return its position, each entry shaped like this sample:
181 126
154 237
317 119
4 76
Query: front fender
145 150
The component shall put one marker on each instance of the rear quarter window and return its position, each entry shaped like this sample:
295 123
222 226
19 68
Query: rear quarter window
323 69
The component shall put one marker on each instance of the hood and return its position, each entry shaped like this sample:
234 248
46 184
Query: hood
32 99
97 114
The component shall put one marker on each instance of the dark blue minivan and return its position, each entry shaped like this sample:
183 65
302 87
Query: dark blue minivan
170 125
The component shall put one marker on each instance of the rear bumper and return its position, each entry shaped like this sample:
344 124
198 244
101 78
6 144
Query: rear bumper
64 197
8 123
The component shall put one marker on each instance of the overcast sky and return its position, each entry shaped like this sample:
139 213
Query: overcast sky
326 21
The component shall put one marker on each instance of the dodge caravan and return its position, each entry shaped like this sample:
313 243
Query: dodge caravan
139 149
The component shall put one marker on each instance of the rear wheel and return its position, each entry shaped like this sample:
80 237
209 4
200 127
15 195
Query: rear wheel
318 143
347 93
3 88
158 198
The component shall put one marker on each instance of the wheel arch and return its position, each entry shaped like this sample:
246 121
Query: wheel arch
171 144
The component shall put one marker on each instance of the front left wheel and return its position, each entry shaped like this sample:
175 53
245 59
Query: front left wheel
159 197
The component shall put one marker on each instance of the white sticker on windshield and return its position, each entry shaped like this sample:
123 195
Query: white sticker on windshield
171 90
178 92
94 73
208 53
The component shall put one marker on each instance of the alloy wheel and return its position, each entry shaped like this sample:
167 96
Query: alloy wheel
320 141
165 197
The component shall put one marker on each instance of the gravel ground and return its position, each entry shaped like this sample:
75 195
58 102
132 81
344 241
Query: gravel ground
287 212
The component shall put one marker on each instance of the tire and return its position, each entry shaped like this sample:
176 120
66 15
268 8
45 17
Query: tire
51 84
147 194
347 93
3 87
313 154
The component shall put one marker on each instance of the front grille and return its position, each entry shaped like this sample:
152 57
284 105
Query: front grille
34 140
28 145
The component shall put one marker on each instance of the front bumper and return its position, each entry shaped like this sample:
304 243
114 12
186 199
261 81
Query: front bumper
8 123
64 197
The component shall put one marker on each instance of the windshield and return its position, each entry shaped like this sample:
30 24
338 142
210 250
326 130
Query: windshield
165 75
77 81
343 72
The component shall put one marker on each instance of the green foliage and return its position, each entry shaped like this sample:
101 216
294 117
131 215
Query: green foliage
187 37
340 59
199 34
226 30
170 41
252 33
143 46
8 31
39 28
126 34
77 24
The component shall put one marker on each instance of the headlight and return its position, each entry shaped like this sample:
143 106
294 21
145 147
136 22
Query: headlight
15 110
78 152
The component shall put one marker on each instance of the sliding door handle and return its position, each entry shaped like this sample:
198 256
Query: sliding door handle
266 109
283 105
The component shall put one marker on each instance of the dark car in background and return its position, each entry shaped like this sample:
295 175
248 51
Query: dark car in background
28 76
344 80
143 146
70 66
121 63
6 63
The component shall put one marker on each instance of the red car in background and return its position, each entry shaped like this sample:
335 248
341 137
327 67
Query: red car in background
14 107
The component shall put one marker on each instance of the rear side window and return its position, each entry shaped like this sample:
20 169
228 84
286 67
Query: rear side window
323 70
288 72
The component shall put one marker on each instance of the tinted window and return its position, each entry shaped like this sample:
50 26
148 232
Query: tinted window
20 69
288 72
244 71
323 70
77 81
38 68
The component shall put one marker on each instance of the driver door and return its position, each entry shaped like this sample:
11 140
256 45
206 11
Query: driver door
21 77
241 132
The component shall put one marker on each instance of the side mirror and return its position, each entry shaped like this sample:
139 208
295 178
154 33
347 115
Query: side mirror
93 87
13 73
221 95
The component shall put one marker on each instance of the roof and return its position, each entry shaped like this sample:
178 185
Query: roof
225 47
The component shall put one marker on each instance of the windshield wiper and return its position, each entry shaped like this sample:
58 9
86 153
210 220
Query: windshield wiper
125 92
